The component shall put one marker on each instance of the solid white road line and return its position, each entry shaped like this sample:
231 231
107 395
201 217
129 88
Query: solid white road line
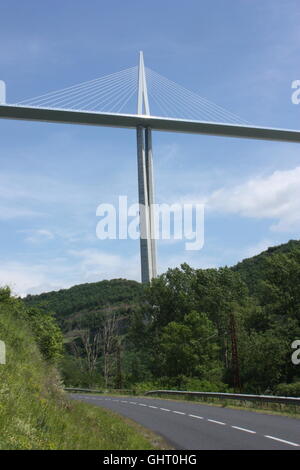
244 429
282 440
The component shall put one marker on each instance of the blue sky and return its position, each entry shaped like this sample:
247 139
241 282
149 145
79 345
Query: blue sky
241 54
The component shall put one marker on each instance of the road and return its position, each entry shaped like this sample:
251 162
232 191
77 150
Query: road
186 425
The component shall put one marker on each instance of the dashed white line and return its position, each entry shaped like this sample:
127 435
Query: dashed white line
216 422
244 429
197 417
282 440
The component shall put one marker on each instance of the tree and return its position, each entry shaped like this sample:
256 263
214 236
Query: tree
188 348
109 345
47 333
92 346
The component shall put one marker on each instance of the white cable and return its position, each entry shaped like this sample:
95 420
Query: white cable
176 102
127 98
106 91
191 95
134 91
83 84
55 100
183 98
175 87
189 106
107 97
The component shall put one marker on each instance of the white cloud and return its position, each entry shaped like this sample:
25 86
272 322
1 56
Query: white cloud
257 248
97 265
22 278
276 196
9 212
88 265
38 236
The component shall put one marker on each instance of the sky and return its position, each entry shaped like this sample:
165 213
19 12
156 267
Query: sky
242 55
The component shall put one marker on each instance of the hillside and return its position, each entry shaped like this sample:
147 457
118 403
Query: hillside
253 270
90 297
94 297
35 412
121 334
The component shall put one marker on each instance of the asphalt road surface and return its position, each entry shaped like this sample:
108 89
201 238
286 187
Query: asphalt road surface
187 425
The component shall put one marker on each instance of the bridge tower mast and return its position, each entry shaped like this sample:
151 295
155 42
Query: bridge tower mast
145 182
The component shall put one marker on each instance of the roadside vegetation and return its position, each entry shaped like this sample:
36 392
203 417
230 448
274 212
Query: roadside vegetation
219 330
35 412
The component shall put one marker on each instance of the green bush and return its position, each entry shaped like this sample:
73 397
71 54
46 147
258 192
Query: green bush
197 385
288 390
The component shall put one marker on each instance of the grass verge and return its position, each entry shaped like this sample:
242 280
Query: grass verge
35 412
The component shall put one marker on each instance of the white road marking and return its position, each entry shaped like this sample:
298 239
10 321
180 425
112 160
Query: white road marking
282 440
196 416
243 429
217 422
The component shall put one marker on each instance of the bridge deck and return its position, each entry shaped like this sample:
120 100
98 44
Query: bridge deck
131 121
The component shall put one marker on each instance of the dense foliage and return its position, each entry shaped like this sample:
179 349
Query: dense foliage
66 302
209 329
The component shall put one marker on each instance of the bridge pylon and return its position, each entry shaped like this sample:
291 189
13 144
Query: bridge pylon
145 183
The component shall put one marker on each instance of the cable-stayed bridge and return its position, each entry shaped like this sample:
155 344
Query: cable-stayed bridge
122 100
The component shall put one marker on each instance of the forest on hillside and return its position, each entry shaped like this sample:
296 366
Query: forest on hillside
199 329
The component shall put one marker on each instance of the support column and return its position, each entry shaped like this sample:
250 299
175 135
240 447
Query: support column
150 181
145 242
145 182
